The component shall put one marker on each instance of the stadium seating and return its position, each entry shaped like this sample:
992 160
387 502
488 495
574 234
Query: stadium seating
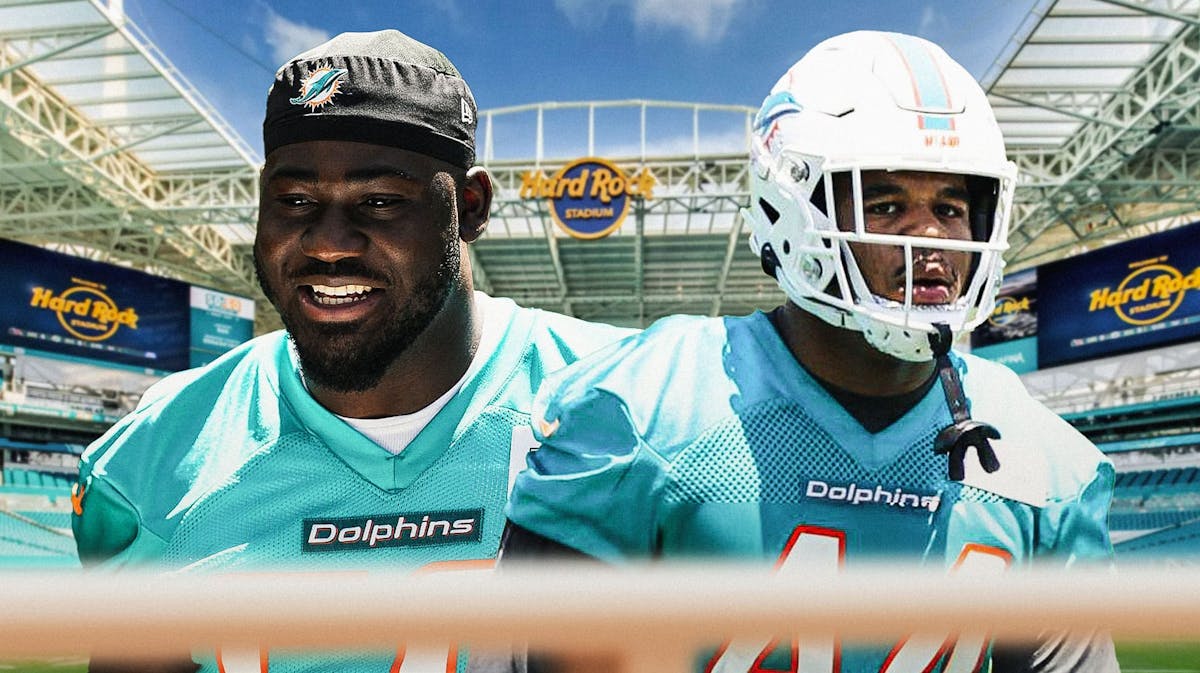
1177 545
24 479
25 543
1154 520
1149 482
1159 421
35 519
61 520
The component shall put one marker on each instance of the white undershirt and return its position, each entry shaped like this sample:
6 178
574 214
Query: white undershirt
394 433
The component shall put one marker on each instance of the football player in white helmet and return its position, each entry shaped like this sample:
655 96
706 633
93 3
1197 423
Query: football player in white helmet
845 119
880 201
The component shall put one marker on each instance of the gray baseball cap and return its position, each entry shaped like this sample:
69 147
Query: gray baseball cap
383 88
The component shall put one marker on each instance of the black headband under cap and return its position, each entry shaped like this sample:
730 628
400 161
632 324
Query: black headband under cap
383 88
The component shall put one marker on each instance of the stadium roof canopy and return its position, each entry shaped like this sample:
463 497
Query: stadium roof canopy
1100 106
105 151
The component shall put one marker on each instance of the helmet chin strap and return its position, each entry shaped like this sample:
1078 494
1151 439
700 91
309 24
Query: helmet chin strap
965 432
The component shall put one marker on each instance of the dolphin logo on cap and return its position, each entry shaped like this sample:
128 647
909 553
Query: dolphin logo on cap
319 87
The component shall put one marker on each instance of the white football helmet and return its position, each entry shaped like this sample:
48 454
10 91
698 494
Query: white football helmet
875 101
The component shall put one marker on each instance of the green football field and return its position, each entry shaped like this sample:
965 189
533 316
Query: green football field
1159 657
1134 658
57 665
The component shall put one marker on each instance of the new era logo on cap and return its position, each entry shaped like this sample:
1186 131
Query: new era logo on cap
467 115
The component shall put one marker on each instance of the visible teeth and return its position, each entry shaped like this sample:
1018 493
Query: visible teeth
340 290
328 295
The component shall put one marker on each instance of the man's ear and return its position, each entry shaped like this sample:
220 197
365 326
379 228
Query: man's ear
475 205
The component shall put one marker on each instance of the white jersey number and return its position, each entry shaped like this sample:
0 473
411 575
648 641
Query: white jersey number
812 553
443 659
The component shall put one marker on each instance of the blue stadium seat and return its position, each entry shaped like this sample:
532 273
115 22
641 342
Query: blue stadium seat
52 519
1174 544
1151 520
23 544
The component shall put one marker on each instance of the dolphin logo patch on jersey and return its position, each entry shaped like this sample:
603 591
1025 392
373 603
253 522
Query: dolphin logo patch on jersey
77 491
319 87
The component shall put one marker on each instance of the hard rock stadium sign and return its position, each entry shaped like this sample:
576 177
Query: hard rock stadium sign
84 310
1149 294
589 198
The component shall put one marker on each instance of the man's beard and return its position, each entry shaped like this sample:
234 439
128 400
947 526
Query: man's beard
350 357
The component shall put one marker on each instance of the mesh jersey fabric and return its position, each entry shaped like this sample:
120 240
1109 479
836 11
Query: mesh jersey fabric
235 467
703 437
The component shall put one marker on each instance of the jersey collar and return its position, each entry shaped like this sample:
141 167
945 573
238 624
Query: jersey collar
374 463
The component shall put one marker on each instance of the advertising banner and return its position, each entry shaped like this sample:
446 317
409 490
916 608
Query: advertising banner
1009 336
1131 296
219 321
78 307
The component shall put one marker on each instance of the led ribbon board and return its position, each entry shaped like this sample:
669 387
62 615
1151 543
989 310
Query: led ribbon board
1126 297
81 308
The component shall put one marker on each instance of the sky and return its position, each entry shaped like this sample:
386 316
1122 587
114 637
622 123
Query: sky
517 53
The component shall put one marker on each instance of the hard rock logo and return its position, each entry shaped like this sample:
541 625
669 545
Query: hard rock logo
85 310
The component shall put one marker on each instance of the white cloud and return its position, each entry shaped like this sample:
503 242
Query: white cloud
451 9
585 13
930 19
702 20
288 38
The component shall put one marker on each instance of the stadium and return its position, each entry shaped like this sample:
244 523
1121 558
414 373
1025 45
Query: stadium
116 173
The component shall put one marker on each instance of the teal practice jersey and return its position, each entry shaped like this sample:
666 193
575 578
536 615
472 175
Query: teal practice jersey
235 467
704 438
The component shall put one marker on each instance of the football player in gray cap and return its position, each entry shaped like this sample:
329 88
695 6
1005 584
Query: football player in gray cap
377 429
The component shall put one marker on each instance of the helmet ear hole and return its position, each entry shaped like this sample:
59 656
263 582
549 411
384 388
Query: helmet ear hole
769 210
770 261
984 194
818 196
